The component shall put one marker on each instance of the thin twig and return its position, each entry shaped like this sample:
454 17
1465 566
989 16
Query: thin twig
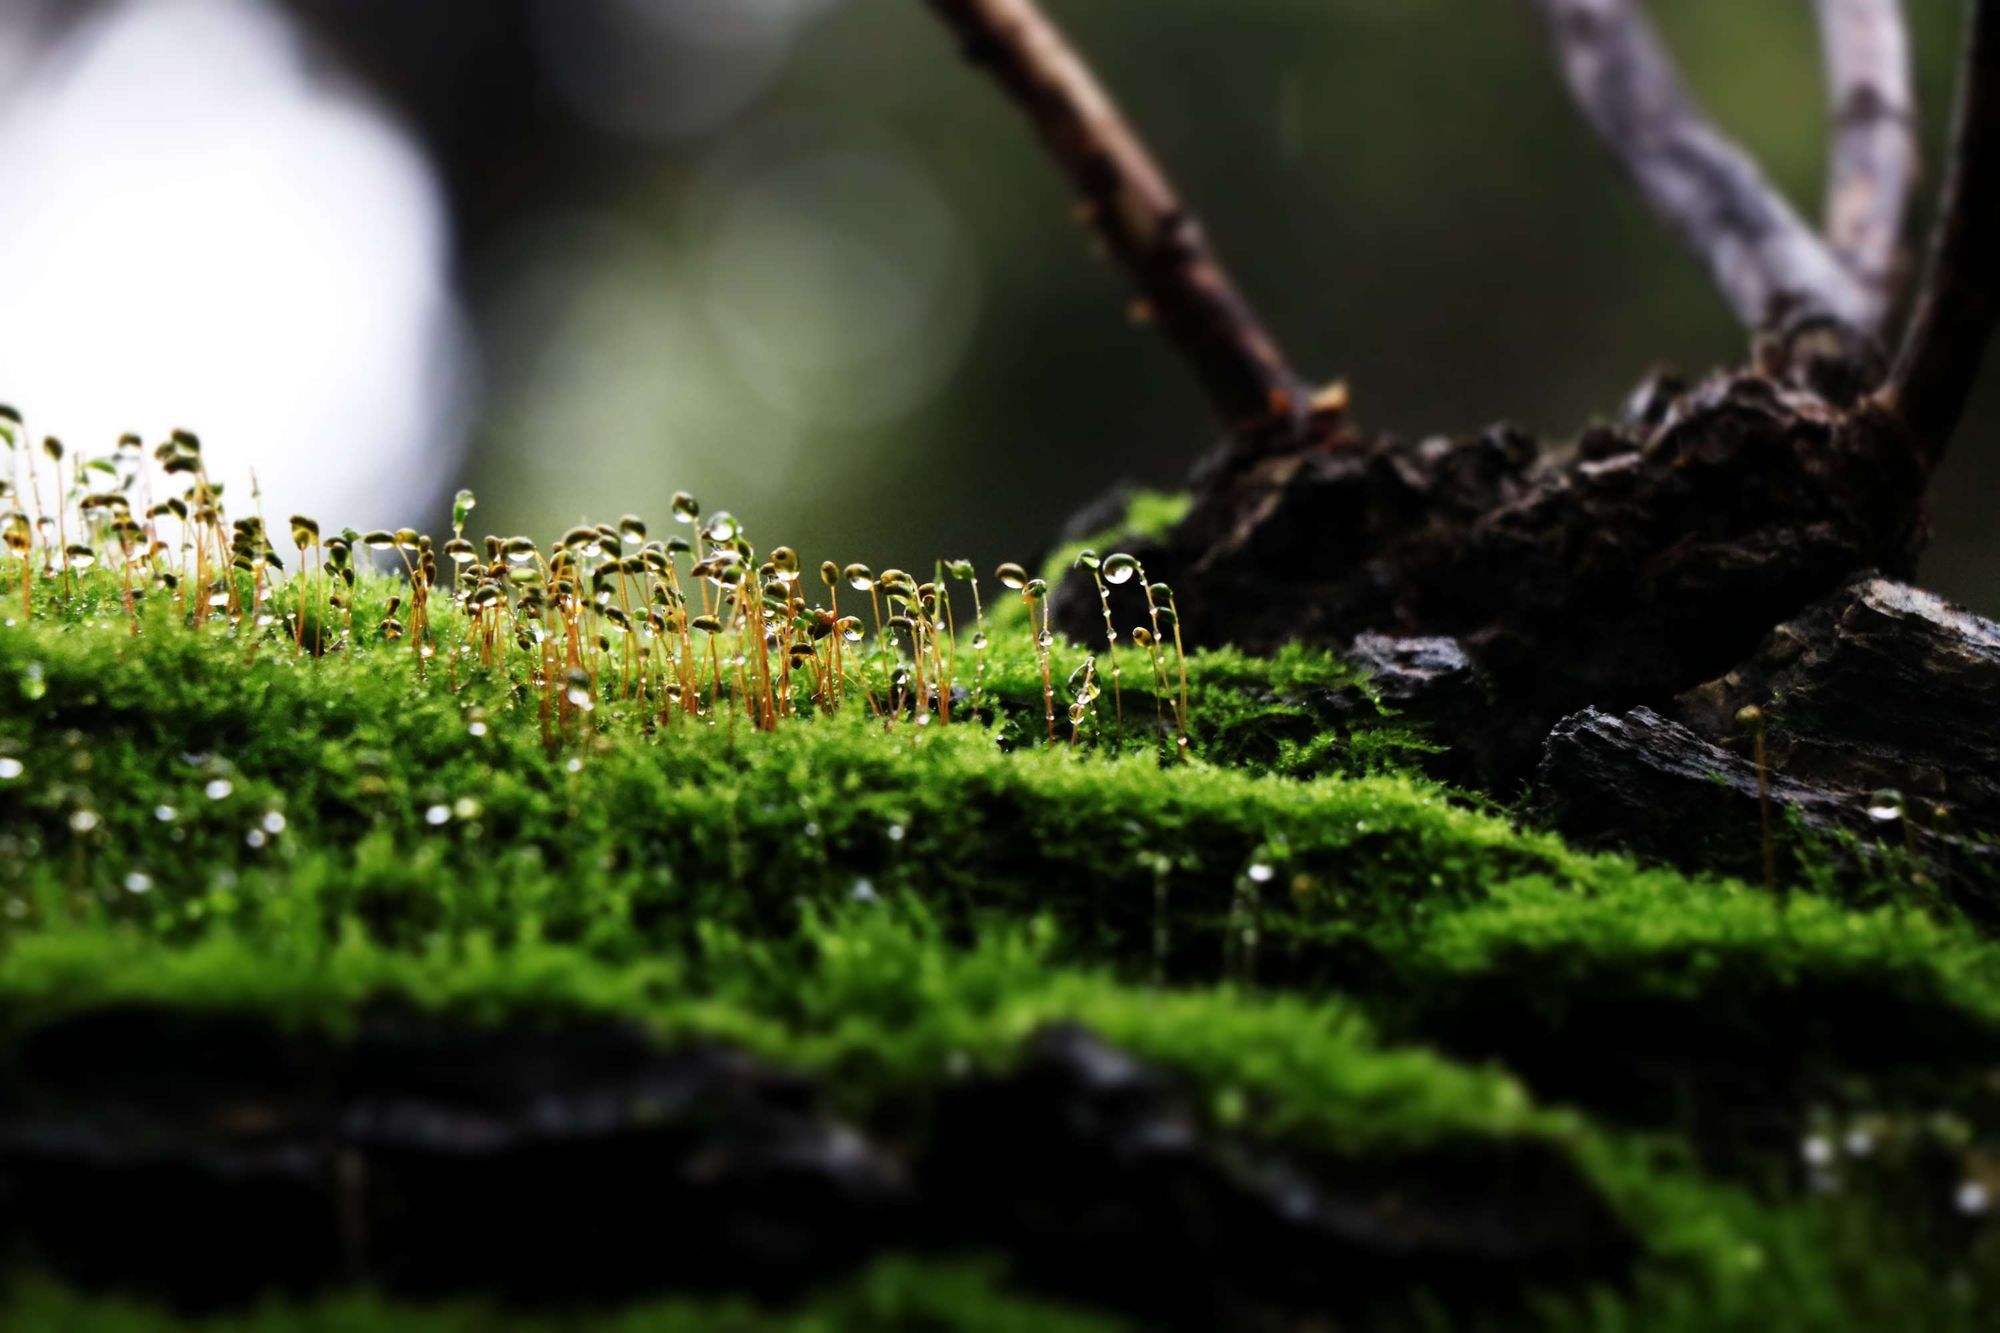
1873 152
1770 265
1960 299
1134 207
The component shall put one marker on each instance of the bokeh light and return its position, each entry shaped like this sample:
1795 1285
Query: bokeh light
201 229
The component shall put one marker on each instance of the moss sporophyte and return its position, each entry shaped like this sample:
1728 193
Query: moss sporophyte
701 628
654 772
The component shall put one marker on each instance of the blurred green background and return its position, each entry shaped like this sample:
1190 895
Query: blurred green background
797 257
1400 185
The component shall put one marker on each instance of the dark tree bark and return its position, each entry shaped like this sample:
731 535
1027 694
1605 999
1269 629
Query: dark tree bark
1648 554
1960 302
1881 712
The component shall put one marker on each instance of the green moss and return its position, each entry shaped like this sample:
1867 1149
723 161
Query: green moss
887 904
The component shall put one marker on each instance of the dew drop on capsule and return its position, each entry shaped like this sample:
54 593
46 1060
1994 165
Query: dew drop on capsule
11 768
1119 568
686 510
1012 576
859 577
979 641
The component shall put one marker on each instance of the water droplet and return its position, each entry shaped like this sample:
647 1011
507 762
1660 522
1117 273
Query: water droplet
1885 806
1816 1150
254 838
895 832
1012 576
11 768
979 641
273 822
1045 639
437 814
863 890
166 814
686 510
574 766
465 807
476 728
218 789
859 577
83 821
1260 872
1972 1198
138 882
1119 568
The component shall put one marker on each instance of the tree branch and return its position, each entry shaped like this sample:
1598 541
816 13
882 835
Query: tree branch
1960 299
1133 206
1770 266
1873 152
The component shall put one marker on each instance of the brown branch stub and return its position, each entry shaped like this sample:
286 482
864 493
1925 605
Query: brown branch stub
1960 299
1128 198
1873 146
1771 267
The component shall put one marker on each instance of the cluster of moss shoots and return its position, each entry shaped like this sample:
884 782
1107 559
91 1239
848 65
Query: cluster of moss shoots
700 627
837 950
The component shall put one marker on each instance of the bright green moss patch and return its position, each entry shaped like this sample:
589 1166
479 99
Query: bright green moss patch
1338 957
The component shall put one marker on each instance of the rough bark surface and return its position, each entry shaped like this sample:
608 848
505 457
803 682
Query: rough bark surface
1882 718
1613 570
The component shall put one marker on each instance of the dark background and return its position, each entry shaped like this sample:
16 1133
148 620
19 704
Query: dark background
794 256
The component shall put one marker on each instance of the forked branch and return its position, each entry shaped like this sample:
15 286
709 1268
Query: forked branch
1873 149
1959 302
1770 265
1134 207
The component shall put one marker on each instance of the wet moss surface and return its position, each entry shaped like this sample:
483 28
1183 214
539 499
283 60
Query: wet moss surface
338 946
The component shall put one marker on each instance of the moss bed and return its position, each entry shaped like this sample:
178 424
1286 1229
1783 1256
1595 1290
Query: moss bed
1785 1105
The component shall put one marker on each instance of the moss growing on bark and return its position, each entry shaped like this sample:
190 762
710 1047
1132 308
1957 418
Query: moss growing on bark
1354 964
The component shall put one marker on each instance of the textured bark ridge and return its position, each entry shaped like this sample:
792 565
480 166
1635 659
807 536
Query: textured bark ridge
1882 708
1615 569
